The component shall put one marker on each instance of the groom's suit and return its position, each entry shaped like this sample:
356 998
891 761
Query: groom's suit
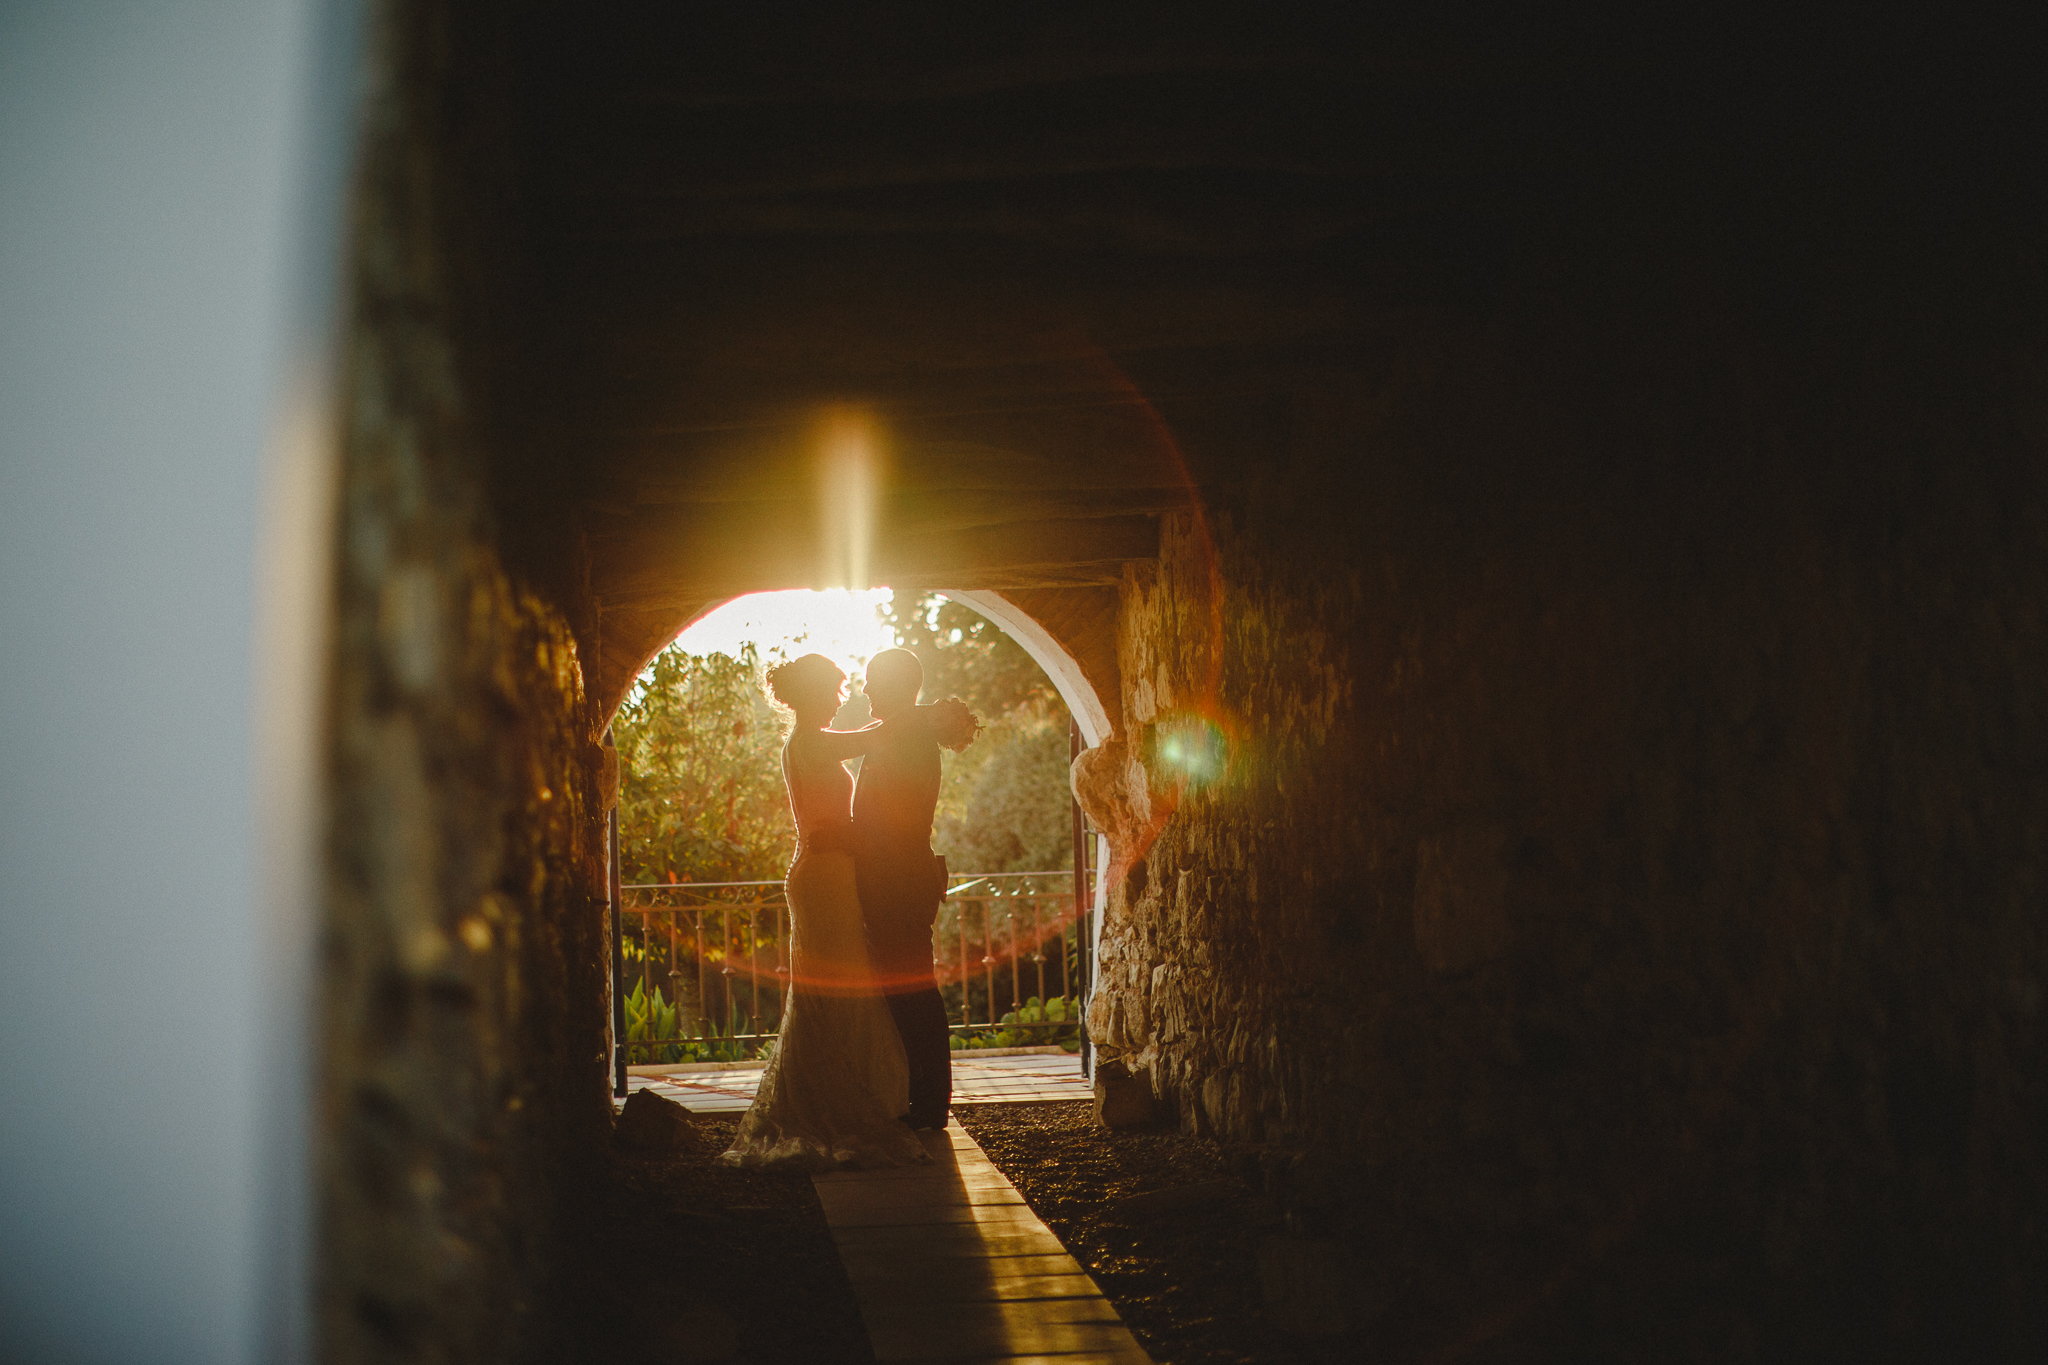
901 884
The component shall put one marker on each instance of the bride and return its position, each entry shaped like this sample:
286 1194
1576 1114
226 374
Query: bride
831 1094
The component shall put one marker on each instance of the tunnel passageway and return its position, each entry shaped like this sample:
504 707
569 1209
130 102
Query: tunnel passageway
1543 525
1550 551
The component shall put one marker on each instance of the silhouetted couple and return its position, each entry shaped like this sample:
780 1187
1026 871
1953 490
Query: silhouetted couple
863 1059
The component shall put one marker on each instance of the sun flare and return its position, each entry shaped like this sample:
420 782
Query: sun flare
840 623
848 473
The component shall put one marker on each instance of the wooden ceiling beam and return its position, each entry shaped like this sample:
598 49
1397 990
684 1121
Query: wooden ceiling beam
675 561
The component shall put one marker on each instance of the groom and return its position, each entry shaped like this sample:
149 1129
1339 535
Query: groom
901 882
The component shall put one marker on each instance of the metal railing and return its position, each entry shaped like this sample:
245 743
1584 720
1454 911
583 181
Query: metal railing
704 965
697 955
1015 937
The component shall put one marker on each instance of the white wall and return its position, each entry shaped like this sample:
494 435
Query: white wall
167 173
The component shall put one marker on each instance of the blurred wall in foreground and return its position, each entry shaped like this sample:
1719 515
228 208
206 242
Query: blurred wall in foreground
463 1098
164 275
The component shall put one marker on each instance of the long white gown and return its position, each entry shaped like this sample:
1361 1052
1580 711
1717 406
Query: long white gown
832 1093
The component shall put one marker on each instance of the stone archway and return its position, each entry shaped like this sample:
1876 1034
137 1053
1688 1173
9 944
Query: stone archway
1070 634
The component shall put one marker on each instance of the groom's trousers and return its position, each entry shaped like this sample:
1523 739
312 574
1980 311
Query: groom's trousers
900 890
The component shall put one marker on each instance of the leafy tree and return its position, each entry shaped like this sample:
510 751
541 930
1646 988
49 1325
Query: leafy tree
700 747
1003 806
1004 803
965 655
701 756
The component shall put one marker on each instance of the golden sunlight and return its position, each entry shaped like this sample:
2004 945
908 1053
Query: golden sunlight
848 475
842 624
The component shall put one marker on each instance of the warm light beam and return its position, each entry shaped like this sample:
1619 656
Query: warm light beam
847 498
844 626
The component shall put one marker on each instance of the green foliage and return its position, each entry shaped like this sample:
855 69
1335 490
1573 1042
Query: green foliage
653 1020
966 656
1003 806
702 798
1057 1021
650 1019
700 754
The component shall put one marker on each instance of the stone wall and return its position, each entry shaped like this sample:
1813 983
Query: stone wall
1618 929
462 1076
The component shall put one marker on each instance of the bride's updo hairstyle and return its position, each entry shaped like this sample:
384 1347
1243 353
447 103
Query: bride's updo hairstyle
806 685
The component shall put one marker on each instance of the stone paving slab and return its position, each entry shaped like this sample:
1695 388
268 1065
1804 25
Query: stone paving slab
951 1267
1109 1357
1076 1284
950 1238
976 1080
856 1200
993 1331
938 1221
967 1184
992 1277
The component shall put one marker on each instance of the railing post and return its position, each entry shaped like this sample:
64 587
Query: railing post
1081 906
966 996
615 893
988 961
1038 945
1010 947
754 972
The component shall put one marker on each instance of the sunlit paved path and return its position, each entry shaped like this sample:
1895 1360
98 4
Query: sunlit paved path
976 1080
951 1267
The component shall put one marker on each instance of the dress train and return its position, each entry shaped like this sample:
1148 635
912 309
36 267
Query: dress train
837 1082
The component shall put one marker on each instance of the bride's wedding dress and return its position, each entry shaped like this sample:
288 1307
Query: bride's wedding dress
833 1090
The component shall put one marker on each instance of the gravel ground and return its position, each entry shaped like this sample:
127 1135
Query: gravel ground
1182 1268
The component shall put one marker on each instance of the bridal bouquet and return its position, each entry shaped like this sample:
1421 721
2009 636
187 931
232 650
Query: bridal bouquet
953 725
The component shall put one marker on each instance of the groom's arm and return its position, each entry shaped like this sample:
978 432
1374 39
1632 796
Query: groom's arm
916 720
841 745
946 722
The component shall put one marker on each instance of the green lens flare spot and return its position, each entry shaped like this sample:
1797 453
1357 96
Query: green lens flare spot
1193 748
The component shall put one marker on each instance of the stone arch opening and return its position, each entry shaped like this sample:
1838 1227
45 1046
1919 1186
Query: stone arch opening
1073 645
1082 674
